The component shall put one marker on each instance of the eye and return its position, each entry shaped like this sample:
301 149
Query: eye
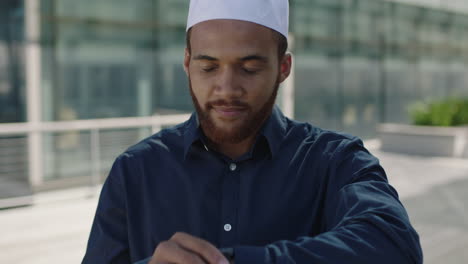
208 69
250 71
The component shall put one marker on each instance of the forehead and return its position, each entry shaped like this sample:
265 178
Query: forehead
232 37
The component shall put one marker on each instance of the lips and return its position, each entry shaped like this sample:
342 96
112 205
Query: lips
229 112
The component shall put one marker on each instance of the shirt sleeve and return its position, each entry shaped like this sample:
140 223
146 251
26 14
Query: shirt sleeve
365 221
108 241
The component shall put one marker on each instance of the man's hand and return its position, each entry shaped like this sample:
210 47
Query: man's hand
183 248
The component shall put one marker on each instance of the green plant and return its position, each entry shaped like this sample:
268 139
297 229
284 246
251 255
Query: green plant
448 112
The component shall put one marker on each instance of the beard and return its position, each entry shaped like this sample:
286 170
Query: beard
248 127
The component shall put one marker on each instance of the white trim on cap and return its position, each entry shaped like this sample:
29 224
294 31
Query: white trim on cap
273 14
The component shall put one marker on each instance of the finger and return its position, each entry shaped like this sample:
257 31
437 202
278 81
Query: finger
171 252
206 250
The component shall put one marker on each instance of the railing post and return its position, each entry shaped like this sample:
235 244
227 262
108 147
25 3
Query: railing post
156 124
33 94
95 148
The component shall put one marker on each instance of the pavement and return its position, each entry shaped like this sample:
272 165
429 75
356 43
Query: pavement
434 191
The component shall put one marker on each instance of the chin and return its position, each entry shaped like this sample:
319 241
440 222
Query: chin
228 126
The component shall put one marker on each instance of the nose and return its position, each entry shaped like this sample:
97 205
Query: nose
228 85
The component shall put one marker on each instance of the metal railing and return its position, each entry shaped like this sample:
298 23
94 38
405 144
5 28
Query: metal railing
80 147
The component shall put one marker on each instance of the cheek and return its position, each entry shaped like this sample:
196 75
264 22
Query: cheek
263 87
198 90
258 97
198 80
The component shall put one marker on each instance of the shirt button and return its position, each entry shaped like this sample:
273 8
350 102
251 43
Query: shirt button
227 227
232 167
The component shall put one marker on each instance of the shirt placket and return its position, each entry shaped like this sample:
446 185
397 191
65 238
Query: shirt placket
230 199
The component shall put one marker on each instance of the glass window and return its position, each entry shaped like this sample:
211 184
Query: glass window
105 59
361 62
12 92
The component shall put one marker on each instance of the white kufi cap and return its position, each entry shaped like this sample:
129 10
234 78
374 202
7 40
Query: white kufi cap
273 14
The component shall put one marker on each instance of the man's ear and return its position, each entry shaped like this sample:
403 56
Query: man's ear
285 67
186 61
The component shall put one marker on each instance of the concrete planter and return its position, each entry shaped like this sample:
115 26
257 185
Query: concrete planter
425 140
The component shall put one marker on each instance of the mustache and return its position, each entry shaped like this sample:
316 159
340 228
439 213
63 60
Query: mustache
226 103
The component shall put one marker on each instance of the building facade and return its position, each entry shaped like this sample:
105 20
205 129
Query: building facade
82 80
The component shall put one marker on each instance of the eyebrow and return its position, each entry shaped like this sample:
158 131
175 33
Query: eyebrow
204 57
244 59
255 58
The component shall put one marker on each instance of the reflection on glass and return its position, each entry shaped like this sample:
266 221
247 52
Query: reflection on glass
12 98
362 62
105 59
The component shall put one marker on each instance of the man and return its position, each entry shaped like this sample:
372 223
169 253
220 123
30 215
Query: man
239 182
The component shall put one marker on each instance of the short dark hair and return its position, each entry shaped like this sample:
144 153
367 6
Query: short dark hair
282 42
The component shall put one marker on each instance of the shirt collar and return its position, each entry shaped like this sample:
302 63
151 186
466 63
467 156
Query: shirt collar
274 131
192 133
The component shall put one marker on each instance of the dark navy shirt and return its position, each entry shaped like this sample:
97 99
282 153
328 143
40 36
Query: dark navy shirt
300 195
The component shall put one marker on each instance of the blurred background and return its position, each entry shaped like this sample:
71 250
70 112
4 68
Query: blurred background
80 81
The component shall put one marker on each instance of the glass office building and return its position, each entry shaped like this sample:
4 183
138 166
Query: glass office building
82 80
363 62
108 58
12 93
